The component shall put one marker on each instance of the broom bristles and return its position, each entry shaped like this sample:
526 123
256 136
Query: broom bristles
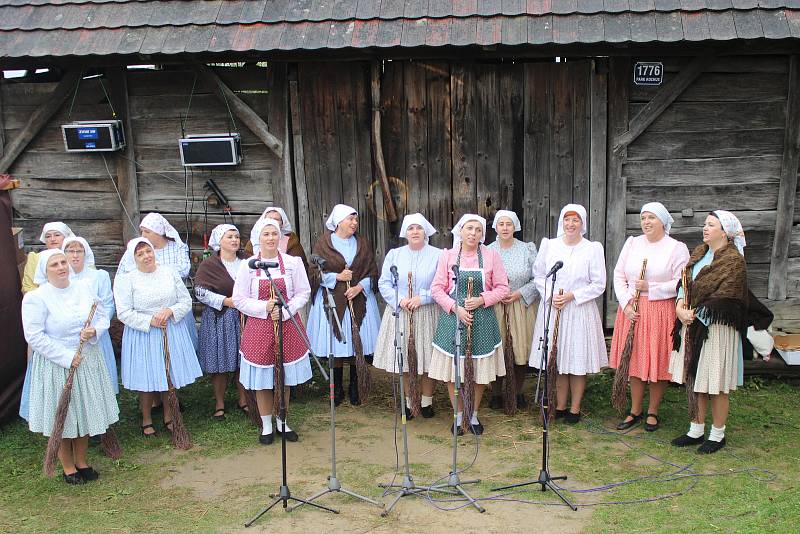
552 377
509 383
468 393
54 441
110 445
180 435
252 407
619 396
414 392
362 369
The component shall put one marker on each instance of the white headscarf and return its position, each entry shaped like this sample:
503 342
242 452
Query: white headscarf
128 262
339 213
255 233
577 208
659 210
416 218
217 233
88 258
158 224
58 226
287 226
733 228
461 222
511 215
40 277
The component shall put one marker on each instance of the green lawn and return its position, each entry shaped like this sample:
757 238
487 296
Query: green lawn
751 486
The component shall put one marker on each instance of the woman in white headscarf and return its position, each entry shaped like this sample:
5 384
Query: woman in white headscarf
351 275
54 317
581 343
480 269
517 307
712 321
415 265
289 242
53 234
655 314
220 326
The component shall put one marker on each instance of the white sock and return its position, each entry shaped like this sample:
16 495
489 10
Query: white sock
408 403
474 420
696 430
427 401
283 426
459 416
266 425
716 433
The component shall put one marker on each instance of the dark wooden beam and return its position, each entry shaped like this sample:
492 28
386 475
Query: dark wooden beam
388 201
39 119
298 159
661 101
127 180
779 261
2 124
242 111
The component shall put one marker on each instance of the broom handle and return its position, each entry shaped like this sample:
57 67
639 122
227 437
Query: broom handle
638 293
555 325
87 324
350 305
274 323
468 351
167 364
410 295
685 284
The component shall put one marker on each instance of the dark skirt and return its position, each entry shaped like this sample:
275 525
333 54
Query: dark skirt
219 340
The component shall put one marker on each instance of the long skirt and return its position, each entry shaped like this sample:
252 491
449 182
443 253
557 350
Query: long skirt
254 377
425 318
219 340
143 365
92 407
319 332
718 366
652 339
581 343
110 360
191 327
522 319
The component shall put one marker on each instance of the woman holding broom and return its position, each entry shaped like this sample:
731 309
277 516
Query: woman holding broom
581 344
415 267
482 283
152 302
55 319
516 314
649 265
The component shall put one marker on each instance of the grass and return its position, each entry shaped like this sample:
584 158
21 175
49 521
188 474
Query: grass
763 433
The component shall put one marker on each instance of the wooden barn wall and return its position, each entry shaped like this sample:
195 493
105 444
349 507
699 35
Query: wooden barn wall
719 146
162 105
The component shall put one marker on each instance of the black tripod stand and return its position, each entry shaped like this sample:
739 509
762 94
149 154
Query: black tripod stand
284 495
454 482
545 479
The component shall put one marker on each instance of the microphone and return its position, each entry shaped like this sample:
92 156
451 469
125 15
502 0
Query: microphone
318 260
255 263
455 269
393 269
556 266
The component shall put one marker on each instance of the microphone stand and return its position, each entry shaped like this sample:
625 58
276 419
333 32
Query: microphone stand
454 482
334 485
407 487
284 495
545 479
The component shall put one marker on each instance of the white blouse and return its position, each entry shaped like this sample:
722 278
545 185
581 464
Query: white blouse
140 295
584 271
245 289
53 318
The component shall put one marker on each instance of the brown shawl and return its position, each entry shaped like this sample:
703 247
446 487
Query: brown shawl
213 275
363 266
721 290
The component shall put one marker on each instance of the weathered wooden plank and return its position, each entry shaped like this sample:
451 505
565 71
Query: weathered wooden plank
536 186
181 81
511 162
463 139
416 171
167 131
57 165
309 110
579 72
377 141
715 144
561 152
393 136
32 203
2 120
440 197
751 220
298 152
38 119
787 314
280 178
724 87
125 164
599 136
171 205
794 243
778 283
487 154
342 89
330 169
714 171
775 64
162 158
759 242
235 185
163 106
101 184
661 101
705 197
712 116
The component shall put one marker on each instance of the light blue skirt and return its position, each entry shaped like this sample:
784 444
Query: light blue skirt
191 327
143 358
25 400
110 358
255 378
318 331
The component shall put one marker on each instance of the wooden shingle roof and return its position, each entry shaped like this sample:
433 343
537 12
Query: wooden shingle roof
61 28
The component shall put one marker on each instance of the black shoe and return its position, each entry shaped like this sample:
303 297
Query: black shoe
88 474
353 393
460 430
427 412
572 418
74 479
522 402
338 386
710 447
476 429
291 435
95 440
561 414
496 402
409 416
219 414
685 441
266 439
651 428
635 420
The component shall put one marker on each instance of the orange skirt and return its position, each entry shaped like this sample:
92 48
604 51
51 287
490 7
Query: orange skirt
652 339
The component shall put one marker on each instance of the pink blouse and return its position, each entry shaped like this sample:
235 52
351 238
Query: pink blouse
245 288
495 277
665 262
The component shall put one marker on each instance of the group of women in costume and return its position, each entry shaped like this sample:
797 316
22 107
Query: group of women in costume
475 301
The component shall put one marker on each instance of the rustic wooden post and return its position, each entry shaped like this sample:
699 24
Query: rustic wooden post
278 119
39 119
242 111
2 125
127 180
779 261
300 184
598 148
388 201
